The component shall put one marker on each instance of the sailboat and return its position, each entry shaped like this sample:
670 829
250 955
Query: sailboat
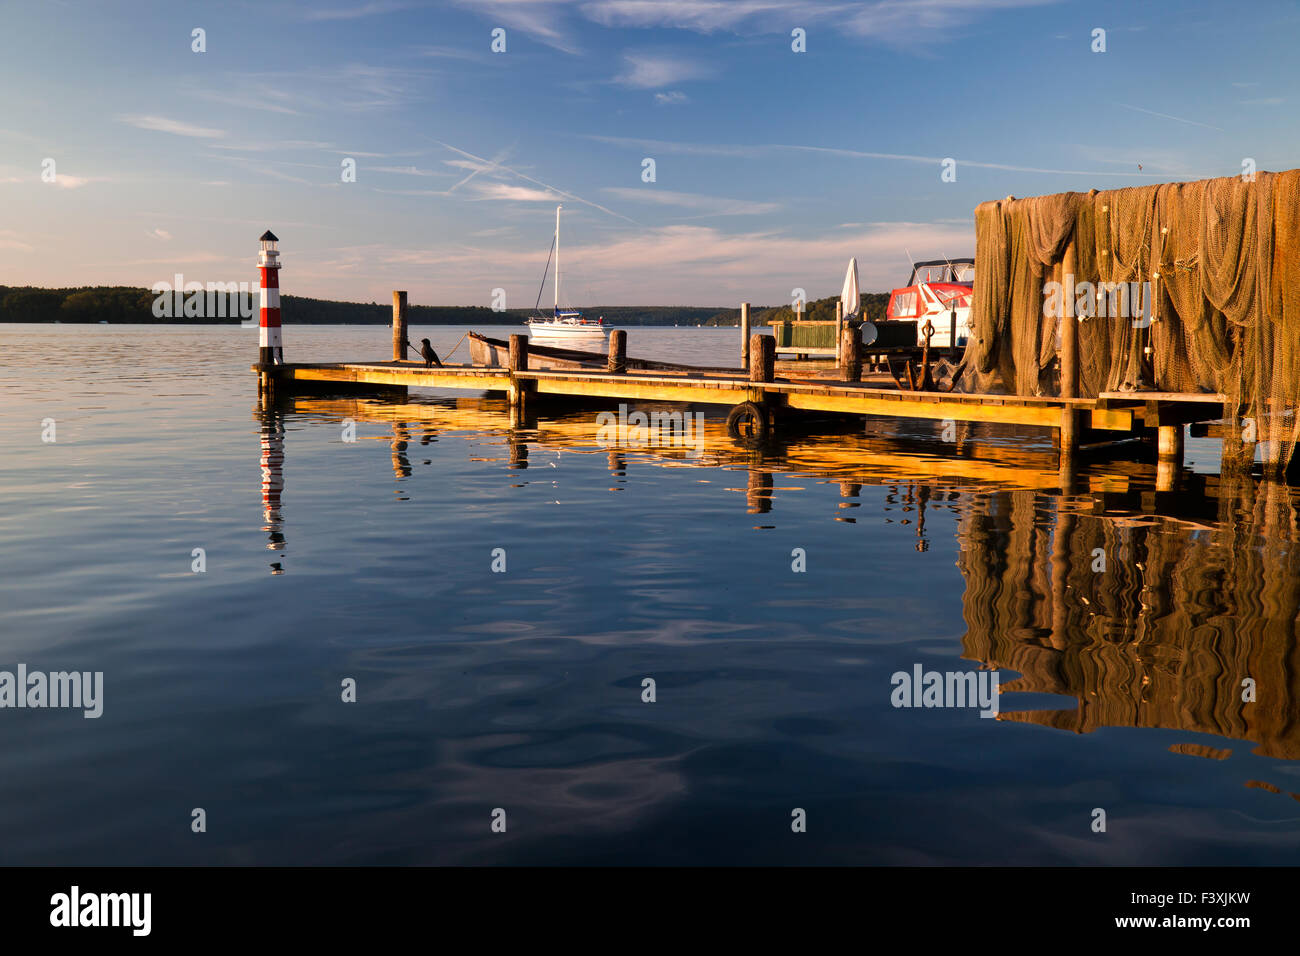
567 326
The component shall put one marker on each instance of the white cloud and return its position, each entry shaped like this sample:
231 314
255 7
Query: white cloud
657 266
162 234
513 193
648 71
673 96
177 127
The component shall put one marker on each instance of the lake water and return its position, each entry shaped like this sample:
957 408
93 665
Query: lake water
1125 628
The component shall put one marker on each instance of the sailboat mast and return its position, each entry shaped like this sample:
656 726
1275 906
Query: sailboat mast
557 259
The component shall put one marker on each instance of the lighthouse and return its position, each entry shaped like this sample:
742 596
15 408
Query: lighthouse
270 351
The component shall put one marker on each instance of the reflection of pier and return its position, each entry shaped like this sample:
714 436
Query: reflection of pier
1199 589
1145 620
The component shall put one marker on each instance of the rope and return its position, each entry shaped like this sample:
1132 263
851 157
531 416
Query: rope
456 346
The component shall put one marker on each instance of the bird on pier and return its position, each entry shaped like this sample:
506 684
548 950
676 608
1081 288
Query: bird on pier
430 356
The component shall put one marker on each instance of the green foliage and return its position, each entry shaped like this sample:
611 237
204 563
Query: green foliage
823 310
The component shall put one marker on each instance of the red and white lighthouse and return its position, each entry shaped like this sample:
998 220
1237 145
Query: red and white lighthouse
270 351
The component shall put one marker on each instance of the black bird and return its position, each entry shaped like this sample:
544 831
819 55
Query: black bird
430 356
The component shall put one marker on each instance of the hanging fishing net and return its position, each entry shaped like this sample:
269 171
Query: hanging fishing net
1181 287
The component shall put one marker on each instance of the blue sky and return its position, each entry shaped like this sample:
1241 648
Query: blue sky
771 167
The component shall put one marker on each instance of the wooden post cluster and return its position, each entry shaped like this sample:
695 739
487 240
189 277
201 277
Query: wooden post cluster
617 362
399 326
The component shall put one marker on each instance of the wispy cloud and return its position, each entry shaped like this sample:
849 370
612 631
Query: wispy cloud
279 146
543 20
374 8
162 124
9 240
649 71
405 170
514 193
448 52
721 149
707 205
1176 119
160 234
890 20
267 100
76 182
671 97
660 265
498 168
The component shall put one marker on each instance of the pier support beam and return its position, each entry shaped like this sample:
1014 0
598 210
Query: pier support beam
266 386
617 364
744 335
1169 450
399 326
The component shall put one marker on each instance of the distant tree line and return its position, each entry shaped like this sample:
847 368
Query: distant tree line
127 305
823 310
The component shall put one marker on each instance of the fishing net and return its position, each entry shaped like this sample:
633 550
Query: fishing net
1181 287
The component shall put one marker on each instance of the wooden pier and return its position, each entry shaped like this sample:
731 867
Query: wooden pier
759 399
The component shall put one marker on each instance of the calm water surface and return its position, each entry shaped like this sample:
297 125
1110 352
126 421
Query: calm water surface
371 559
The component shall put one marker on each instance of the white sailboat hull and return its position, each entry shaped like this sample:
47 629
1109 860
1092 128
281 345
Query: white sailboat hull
564 332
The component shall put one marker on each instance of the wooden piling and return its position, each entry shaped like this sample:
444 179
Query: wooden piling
617 352
744 335
518 358
399 326
1169 442
1069 327
850 349
1169 461
517 361
839 333
762 356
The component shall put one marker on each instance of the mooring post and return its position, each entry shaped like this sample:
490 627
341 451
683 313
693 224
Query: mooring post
617 352
850 349
1169 456
1069 326
399 326
840 359
762 357
518 362
744 335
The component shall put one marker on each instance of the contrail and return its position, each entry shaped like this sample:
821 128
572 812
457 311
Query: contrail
490 164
